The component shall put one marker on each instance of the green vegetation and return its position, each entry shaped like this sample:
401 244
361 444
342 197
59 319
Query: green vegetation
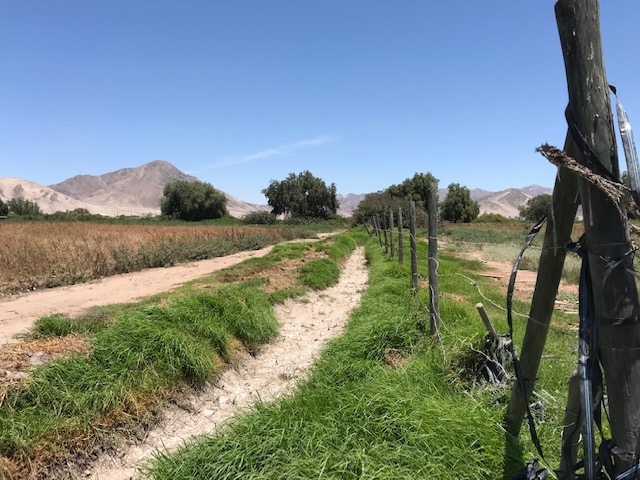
536 208
4 208
302 195
458 206
415 188
192 201
22 207
320 273
379 204
260 218
386 402
140 356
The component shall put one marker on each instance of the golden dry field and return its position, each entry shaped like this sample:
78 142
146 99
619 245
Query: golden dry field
40 254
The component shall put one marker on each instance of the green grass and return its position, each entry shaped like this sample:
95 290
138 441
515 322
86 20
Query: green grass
385 401
324 272
140 356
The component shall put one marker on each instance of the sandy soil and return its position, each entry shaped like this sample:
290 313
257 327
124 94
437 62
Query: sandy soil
306 323
17 314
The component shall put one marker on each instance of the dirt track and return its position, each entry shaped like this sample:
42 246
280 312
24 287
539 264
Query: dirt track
306 324
17 314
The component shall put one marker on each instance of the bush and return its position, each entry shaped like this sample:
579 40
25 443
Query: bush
536 208
492 218
192 201
260 218
20 206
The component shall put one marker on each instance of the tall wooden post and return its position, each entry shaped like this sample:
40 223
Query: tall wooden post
391 234
400 238
434 291
557 236
377 219
386 235
412 244
616 298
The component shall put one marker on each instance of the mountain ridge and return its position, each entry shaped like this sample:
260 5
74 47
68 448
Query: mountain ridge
137 191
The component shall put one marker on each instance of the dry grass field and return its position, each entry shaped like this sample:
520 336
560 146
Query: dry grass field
39 255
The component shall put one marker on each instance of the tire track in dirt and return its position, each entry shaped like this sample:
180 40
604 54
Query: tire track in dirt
306 324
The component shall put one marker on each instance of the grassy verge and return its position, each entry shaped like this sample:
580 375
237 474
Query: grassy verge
142 356
384 401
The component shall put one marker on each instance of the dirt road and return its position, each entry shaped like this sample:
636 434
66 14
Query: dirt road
17 314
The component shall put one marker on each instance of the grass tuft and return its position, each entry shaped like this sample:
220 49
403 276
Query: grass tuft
319 273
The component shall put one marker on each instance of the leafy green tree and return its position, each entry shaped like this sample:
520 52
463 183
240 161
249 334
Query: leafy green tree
415 188
302 195
4 208
20 206
380 203
535 208
192 201
458 206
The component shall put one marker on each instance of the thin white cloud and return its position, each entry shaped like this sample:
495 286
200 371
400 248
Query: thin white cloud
284 150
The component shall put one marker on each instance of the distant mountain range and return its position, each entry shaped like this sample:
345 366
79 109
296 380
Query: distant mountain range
137 191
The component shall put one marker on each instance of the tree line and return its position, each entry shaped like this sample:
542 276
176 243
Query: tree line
305 196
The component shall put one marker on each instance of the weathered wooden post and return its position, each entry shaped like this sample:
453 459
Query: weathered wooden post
377 219
400 238
557 236
412 245
392 240
386 235
434 291
616 297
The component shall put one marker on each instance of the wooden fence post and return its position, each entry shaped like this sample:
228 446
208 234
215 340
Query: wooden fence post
377 218
557 236
386 235
412 243
391 234
400 238
616 299
434 291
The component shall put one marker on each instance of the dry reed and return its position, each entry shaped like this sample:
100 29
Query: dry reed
38 255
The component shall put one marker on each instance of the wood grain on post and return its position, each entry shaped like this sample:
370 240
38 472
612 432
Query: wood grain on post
391 234
487 323
616 300
557 236
400 238
412 245
434 290
386 235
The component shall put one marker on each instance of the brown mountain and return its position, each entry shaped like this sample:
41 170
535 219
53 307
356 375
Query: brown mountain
128 188
136 191
129 191
49 200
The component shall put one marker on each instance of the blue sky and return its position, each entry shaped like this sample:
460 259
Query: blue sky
240 92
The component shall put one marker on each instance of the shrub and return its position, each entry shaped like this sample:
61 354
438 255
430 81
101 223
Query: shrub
260 218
